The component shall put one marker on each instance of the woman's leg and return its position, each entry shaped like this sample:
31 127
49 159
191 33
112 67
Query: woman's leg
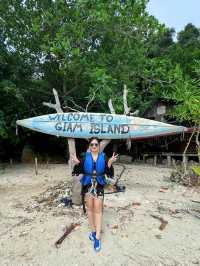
90 210
98 203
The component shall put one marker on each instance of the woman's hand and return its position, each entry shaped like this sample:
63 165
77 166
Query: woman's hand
112 159
75 160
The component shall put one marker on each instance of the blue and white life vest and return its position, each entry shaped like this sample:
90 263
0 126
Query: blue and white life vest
88 168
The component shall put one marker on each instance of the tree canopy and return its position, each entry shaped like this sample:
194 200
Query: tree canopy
84 48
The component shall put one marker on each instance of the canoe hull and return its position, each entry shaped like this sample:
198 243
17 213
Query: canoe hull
104 126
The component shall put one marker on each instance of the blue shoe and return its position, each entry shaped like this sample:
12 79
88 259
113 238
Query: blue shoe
92 236
97 244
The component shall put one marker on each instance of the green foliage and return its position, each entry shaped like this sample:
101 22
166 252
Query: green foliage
76 38
3 131
89 49
196 169
186 51
185 92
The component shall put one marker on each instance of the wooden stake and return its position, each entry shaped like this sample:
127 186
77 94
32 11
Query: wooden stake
36 166
155 160
11 162
168 160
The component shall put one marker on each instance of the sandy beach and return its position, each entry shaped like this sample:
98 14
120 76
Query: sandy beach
32 219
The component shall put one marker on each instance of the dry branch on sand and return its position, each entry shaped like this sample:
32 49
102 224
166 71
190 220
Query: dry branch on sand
163 222
185 177
68 230
183 174
50 198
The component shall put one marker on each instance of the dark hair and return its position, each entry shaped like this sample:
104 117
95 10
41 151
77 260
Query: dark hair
92 138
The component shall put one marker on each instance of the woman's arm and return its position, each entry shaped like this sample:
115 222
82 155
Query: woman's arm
109 169
78 168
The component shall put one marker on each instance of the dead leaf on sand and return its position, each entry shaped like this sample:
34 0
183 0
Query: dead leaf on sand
135 204
163 189
115 226
163 222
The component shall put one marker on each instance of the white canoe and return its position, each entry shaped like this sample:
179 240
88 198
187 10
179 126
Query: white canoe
104 126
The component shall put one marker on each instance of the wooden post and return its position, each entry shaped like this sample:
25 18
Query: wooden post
155 160
11 162
185 160
168 160
36 166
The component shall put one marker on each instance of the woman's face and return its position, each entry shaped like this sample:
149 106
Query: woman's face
94 145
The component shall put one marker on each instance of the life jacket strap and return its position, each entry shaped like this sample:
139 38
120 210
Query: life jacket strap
96 174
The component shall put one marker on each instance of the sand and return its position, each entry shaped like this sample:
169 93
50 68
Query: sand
130 234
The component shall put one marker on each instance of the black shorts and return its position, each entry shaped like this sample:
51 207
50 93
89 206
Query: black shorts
99 189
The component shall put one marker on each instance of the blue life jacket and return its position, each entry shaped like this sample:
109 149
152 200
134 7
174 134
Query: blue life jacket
88 168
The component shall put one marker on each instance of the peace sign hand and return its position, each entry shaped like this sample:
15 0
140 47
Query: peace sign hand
113 158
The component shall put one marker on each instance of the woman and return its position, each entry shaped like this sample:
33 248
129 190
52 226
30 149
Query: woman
94 167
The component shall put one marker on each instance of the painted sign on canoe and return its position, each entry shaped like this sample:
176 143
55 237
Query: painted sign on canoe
105 126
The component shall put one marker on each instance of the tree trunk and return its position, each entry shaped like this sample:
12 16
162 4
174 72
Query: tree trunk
76 185
184 153
198 142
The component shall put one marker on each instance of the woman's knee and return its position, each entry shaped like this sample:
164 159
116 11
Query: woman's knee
98 206
89 203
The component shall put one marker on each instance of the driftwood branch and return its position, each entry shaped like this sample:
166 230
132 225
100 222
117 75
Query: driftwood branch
71 141
58 106
50 105
126 108
110 105
70 108
79 108
163 222
90 100
68 230
104 143
135 113
55 106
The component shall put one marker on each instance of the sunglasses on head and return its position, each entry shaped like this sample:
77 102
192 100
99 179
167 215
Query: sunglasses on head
94 144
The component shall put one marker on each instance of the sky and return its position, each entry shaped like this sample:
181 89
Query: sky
176 13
